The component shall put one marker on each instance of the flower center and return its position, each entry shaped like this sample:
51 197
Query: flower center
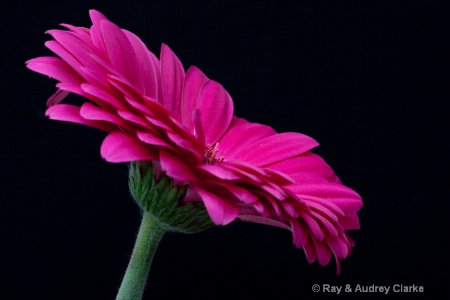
210 155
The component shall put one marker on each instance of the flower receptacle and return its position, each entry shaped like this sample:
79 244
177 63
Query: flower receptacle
164 201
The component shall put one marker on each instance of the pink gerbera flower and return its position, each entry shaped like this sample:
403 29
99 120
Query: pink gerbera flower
183 123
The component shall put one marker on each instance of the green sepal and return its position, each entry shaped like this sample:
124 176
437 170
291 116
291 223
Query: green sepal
163 200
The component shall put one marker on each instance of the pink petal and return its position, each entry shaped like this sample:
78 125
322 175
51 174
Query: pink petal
322 204
290 208
269 207
241 194
198 130
273 190
91 112
339 247
350 221
323 252
97 39
313 226
241 137
321 210
96 16
57 97
72 48
121 147
306 163
97 73
175 166
81 32
344 197
219 172
55 68
193 83
181 137
261 220
299 233
71 113
237 121
216 109
95 30
338 265
99 93
172 78
75 51
154 112
72 88
276 148
350 241
308 178
221 211
151 139
136 120
331 228
146 70
183 143
135 98
120 52
62 52
279 177
310 251
245 170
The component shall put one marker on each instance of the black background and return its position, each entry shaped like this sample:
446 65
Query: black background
368 80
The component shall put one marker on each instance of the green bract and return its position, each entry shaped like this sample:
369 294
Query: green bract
164 202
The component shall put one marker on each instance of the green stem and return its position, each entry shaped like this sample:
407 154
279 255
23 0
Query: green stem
135 278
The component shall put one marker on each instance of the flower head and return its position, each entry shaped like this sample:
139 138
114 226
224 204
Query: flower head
184 123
